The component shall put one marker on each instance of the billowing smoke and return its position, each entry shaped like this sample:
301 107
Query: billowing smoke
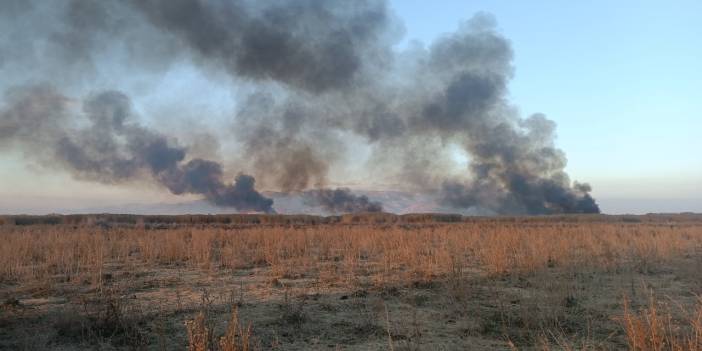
307 44
341 200
518 170
311 78
106 146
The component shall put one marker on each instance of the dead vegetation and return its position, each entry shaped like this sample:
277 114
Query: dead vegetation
363 283
663 325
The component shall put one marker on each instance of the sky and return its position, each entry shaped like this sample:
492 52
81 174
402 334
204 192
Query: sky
621 80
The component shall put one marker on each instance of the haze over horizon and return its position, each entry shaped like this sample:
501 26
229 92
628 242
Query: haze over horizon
456 110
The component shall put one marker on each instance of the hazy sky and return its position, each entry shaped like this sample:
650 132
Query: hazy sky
621 79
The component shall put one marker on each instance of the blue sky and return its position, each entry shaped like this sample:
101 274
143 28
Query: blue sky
621 78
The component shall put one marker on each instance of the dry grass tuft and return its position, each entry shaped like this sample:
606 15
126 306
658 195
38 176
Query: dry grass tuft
199 334
656 327
236 337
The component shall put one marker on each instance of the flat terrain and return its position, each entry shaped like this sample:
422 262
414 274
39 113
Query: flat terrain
355 282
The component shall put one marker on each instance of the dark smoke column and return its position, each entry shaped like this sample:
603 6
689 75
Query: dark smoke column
515 167
204 177
341 200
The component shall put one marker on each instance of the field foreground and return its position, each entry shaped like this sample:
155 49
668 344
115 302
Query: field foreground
356 282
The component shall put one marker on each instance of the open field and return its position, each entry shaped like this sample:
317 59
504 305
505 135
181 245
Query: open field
356 282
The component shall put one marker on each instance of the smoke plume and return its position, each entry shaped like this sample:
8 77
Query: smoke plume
110 148
310 44
341 200
315 83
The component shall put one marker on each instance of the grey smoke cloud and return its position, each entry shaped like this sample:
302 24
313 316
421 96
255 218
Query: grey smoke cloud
318 70
307 44
112 148
282 149
341 200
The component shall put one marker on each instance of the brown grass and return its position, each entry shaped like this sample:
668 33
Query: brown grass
389 253
656 327
539 276
236 337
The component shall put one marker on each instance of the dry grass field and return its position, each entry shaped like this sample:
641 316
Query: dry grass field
363 282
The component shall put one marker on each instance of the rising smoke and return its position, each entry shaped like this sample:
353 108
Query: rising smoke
110 148
316 74
341 200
